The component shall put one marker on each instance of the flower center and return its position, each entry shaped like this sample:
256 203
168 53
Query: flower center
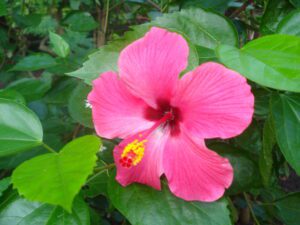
164 107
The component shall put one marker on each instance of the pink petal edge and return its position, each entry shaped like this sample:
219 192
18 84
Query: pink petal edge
215 102
151 65
116 112
194 172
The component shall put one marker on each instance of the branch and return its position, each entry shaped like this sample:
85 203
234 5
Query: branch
251 209
154 5
43 47
241 9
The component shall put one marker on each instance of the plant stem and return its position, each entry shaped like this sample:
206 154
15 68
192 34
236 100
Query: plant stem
106 167
76 131
285 196
99 171
154 5
241 9
48 148
106 17
250 208
113 141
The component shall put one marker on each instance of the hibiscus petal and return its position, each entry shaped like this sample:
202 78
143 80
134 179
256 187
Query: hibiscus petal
214 101
116 112
194 172
149 169
151 65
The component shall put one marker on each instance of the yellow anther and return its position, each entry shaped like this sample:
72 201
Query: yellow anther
134 151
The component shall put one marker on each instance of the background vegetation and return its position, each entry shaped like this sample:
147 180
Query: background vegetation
51 50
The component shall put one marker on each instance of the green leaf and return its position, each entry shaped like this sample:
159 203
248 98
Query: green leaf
296 3
275 11
97 183
143 205
199 27
4 184
81 21
74 4
77 106
3 36
80 43
96 218
40 109
3 8
61 91
266 157
52 140
40 24
19 211
206 54
65 65
34 62
20 129
32 88
2 54
250 139
9 162
105 59
12 95
56 178
286 114
59 45
288 209
290 24
25 21
272 61
202 27
218 5
262 98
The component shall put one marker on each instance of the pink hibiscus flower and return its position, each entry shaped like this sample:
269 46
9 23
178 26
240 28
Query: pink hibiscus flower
164 120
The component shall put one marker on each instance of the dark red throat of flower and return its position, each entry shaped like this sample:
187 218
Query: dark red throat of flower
167 117
165 110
